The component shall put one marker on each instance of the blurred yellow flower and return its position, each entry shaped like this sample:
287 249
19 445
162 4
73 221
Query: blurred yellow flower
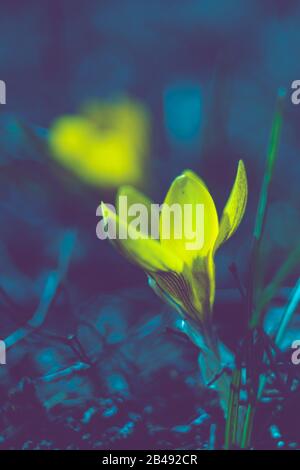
186 277
106 145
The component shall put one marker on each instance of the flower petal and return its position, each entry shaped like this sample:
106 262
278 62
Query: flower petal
189 189
164 295
192 289
179 289
211 274
138 248
203 283
235 206
135 198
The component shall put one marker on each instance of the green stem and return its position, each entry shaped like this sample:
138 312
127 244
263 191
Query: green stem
233 410
262 209
254 317
248 425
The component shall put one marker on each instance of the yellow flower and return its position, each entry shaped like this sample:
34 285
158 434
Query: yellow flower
184 276
106 145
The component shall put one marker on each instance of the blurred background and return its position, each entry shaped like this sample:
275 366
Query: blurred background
107 92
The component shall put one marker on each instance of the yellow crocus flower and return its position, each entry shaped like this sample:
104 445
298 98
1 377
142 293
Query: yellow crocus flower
186 277
106 145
